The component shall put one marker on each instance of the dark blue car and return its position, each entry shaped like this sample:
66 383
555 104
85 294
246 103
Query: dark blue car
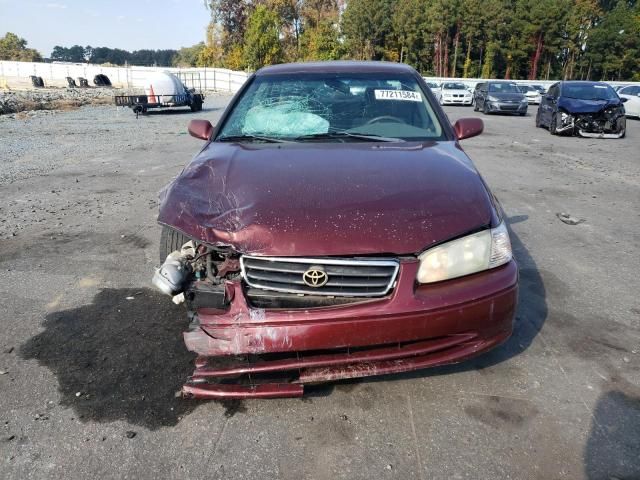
587 109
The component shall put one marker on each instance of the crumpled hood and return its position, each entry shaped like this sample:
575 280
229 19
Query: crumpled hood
575 105
317 199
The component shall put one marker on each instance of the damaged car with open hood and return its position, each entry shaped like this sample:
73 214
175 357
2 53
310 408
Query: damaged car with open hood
586 109
332 227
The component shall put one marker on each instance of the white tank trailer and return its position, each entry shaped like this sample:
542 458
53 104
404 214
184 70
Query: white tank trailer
162 90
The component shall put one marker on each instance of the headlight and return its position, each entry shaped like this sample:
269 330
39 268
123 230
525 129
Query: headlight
492 99
464 256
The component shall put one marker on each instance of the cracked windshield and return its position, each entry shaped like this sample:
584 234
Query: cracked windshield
330 108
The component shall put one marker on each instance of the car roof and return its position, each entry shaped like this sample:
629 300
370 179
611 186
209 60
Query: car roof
582 82
339 66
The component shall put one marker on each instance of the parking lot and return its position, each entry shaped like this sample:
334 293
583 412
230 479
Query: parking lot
91 357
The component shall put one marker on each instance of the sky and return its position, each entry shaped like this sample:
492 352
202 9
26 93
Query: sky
129 25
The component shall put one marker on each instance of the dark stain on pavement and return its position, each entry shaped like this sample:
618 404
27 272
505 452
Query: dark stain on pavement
135 241
232 406
118 359
499 412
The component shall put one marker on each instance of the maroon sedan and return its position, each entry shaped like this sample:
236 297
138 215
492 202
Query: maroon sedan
332 227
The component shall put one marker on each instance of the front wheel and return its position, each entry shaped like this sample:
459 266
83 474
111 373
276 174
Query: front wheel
538 122
170 241
553 126
485 108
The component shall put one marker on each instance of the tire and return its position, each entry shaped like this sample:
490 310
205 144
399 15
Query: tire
538 122
475 105
485 110
170 241
196 104
553 125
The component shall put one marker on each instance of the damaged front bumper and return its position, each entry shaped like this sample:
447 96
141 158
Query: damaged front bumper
246 352
609 123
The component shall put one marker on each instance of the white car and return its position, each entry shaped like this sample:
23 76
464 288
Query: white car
632 105
533 94
454 93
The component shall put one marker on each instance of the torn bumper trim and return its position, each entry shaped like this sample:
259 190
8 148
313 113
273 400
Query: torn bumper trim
224 391
582 133
451 355
374 355
464 349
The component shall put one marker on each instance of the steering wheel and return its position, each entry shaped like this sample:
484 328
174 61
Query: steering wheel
385 117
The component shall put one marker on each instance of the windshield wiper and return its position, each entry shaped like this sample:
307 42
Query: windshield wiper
250 138
343 134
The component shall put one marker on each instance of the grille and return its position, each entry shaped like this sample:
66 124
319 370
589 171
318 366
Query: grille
345 277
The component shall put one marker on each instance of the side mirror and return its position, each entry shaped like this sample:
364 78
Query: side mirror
468 127
624 99
201 129
550 98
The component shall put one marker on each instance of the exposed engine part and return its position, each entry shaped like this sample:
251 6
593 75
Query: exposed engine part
201 294
567 123
171 276
607 123
178 299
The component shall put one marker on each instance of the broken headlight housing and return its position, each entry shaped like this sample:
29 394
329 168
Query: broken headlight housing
470 254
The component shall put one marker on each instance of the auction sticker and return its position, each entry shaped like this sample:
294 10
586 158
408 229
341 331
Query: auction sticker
405 95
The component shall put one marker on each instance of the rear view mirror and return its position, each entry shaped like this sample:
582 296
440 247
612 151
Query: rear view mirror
468 127
201 129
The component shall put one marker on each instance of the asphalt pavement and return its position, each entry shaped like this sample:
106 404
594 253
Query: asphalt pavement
91 357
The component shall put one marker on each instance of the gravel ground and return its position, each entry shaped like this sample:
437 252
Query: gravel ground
91 357
12 102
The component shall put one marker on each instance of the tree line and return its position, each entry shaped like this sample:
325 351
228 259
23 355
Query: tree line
519 39
115 56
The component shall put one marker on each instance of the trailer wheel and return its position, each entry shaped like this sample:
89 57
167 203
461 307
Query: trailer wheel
196 103
170 241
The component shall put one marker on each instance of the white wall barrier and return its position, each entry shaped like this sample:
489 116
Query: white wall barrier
16 75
